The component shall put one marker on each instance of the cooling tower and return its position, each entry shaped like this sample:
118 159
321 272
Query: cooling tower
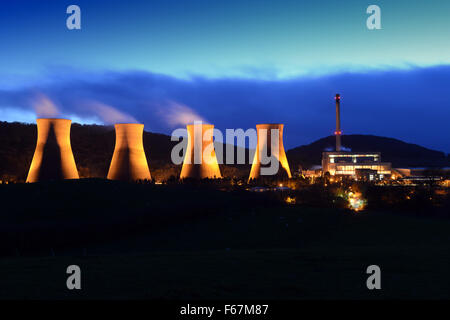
264 151
129 162
200 160
53 158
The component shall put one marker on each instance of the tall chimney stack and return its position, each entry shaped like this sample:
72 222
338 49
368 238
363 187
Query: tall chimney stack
338 122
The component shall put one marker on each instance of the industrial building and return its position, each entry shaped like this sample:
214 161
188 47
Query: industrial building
53 158
264 148
200 161
129 162
359 165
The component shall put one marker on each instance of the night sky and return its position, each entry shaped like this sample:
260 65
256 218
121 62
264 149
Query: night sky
233 64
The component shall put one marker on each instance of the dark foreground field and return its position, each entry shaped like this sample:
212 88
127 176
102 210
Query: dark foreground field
186 242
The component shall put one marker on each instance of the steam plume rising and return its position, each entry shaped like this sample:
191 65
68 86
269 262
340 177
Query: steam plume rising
44 107
109 114
176 114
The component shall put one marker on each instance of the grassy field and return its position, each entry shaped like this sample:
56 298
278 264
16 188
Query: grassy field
274 252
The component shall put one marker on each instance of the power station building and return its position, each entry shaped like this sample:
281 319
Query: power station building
53 158
359 165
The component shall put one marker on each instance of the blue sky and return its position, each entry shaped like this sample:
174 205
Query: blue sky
289 56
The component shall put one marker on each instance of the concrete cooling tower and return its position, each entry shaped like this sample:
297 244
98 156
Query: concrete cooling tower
53 158
129 162
264 150
200 160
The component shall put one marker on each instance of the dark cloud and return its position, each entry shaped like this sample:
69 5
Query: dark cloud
412 105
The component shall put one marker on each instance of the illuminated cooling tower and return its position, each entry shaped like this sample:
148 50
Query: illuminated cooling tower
129 162
200 160
53 158
264 151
